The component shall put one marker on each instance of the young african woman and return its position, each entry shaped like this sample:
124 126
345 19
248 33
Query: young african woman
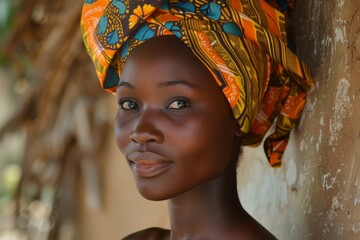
196 80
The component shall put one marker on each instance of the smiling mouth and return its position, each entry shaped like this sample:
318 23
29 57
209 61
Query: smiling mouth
148 164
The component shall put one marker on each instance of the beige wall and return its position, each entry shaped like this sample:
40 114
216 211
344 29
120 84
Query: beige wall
316 194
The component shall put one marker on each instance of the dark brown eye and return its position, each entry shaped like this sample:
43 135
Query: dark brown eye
127 104
179 104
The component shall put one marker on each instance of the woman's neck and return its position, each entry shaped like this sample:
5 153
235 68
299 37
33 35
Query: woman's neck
207 211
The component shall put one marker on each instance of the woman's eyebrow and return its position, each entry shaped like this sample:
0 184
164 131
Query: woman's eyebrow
176 82
125 84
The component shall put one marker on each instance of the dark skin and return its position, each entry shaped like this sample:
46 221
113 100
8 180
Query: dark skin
182 143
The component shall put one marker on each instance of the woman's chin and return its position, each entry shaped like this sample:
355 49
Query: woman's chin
151 191
152 195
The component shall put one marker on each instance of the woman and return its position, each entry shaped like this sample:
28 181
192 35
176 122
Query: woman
196 80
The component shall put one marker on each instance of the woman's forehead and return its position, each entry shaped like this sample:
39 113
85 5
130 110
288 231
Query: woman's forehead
166 56
163 46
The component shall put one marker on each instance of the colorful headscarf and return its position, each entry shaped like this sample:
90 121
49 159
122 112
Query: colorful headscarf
242 42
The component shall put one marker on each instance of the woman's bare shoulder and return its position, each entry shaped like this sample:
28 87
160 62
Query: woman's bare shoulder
150 234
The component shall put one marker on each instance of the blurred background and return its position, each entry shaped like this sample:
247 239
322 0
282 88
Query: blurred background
61 176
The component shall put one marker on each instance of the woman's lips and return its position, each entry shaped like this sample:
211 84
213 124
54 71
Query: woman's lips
148 164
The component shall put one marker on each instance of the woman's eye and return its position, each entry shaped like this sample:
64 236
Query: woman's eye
179 104
128 105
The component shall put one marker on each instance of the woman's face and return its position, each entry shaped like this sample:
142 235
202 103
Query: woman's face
174 125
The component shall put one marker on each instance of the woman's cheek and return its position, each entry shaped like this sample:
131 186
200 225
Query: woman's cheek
121 134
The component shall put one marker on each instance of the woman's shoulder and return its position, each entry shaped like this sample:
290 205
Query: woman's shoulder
150 234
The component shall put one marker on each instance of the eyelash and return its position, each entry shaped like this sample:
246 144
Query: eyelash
132 105
183 100
124 101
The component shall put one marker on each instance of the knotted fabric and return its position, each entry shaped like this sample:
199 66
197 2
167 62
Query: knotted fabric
243 43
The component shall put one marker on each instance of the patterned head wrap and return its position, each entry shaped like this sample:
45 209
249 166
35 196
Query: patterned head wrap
242 43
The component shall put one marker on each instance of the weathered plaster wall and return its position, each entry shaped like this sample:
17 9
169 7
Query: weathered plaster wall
316 194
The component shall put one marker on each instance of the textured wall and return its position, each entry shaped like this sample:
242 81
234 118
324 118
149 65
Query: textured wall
316 194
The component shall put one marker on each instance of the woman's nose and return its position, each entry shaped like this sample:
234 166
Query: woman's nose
146 129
